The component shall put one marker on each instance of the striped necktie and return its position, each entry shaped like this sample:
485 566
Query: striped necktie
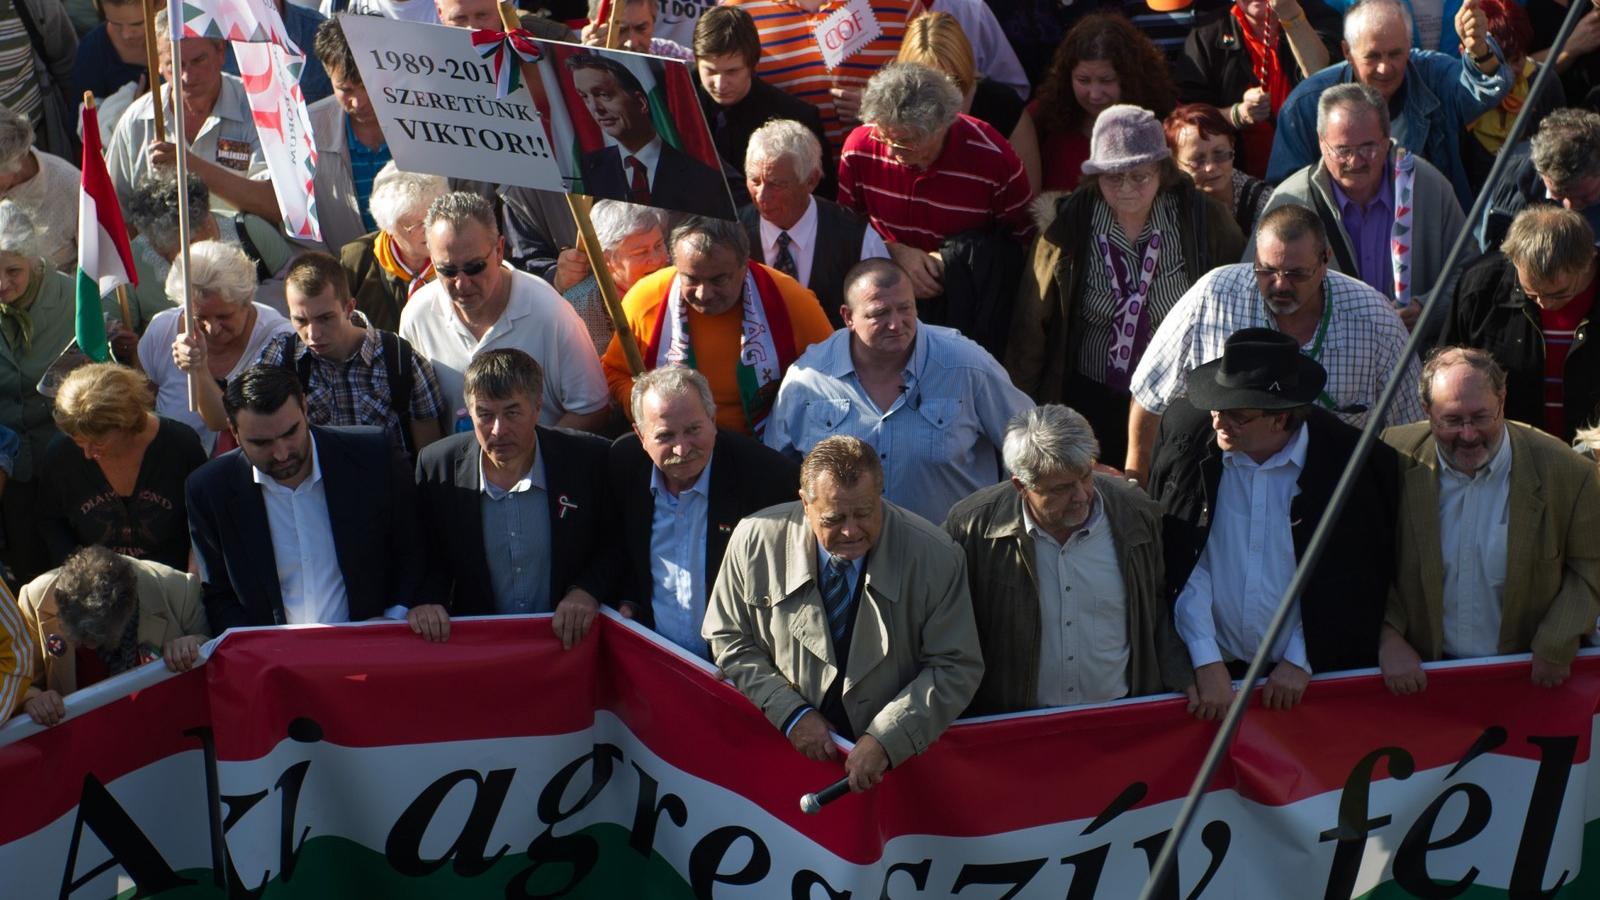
836 595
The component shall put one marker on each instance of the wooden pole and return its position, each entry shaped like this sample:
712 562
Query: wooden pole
152 60
611 23
579 206
180 140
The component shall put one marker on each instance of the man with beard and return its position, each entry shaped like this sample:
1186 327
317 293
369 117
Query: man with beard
1499 548
304 524
1351 330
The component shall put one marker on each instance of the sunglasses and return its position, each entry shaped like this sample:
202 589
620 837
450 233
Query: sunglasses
470 269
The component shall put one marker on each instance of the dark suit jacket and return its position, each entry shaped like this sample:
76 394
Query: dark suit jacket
371 511
839 234
448 473
731 126
1342 608
681 182
746 476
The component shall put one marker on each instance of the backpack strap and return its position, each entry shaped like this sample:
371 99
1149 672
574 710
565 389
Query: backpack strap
397 365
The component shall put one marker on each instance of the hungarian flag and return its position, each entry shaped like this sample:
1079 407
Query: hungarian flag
104 258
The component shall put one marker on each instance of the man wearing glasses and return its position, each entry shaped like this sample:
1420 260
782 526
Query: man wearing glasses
1342 324
1245 468
479 303
1391 215
1499 547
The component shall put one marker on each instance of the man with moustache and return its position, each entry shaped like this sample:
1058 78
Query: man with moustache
1499 533
1357 186
1245 468
681 485
637 166
1066 574
1345 326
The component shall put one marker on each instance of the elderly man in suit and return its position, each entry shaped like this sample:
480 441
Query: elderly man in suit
303 524
681 485
1499 533
516 513
640 167
1066 574
842 611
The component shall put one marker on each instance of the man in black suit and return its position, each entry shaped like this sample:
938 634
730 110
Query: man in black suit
736 101
304 523
516 514
681 485
814 241
640 167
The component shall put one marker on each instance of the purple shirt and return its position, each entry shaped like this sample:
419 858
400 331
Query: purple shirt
1370 228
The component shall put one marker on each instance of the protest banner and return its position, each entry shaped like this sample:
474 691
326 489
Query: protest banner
610 124
361 761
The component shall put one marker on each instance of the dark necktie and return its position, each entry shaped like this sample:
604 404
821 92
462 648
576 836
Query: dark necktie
785 261
836 595
639 192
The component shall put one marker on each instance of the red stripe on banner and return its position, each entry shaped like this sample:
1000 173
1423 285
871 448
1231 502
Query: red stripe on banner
43 775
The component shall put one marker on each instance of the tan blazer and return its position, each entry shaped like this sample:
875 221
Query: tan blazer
169 608
914 659
1552 589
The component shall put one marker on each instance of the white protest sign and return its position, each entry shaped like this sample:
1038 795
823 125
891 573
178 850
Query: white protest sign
848 29
434 96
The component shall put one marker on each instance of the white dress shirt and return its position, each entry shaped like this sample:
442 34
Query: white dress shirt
1474 511
803 243
1223 612
678 561
1083 613
309 579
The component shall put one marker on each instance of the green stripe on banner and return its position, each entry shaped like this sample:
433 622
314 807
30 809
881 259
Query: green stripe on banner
91 324
661 117
1585 885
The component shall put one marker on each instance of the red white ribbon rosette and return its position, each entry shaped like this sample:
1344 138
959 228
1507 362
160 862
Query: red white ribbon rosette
493 44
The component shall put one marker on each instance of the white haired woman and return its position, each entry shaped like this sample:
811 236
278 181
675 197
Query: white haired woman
36 317
42 184
634 241
232 330
389 265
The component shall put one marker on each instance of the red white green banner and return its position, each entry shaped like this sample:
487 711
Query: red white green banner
359 761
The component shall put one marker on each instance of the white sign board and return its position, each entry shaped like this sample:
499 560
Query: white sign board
847 30
434 96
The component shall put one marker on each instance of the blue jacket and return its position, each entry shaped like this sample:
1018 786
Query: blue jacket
1442 94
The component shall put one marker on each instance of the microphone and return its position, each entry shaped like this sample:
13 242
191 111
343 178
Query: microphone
811 804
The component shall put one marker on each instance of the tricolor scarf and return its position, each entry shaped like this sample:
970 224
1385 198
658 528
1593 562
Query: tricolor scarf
1491 128
1400 237
766 342
390 261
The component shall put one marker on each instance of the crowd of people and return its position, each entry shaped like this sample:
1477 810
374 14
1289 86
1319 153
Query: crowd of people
1017 382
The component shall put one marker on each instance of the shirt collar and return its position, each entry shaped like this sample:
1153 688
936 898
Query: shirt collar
1095 522
1498 464
533 479
801 235
231 102
1293 454
1384 197
701 486
648 154
822 563
272 484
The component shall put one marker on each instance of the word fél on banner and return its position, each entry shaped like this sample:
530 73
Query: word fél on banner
844 32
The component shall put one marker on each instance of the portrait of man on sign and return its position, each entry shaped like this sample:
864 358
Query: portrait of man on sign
625 153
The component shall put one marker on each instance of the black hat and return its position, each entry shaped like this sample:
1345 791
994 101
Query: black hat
1259 369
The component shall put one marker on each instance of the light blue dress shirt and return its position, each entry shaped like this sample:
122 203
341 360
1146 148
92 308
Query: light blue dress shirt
1474 518
678 561
938 442
516 541
1223 611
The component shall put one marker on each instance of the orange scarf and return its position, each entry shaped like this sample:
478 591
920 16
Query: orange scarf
391 262
1492 127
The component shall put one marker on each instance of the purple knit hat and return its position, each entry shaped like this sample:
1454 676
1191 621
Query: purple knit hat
1125 136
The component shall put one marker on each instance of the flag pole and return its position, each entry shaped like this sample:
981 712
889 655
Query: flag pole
152 62
180 140
579 207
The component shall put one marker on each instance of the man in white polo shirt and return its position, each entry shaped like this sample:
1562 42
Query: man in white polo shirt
479 303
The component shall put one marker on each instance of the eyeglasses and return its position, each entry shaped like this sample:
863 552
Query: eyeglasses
1216 159
470 269
1368 151
1237 418
1295 276
900 146
1136 180
1479 422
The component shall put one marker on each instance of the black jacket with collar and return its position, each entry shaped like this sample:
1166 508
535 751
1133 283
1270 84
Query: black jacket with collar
372 513
746 476
1342 607
448 478
1492 313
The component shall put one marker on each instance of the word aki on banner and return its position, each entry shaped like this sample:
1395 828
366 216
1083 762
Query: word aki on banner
346 765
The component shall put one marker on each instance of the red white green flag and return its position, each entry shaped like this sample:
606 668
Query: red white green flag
104 258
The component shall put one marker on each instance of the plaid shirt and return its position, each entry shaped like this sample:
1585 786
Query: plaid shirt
1364 340
356 391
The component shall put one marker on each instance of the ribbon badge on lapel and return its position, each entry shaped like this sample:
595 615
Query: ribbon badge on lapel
566 504
492 45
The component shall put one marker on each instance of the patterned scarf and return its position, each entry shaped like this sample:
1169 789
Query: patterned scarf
766 342
1400 236
15 320
389 259
1492 127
